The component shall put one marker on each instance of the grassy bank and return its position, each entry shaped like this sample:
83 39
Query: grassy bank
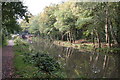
22 69
82 47
87 47
29 63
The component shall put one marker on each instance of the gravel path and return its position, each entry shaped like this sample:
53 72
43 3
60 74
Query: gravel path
7 60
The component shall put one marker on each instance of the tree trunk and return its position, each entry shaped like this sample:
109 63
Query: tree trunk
93 39
98 40
107 30
118 35
68 37
62 37
113 34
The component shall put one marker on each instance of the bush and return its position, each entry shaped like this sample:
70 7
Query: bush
31 64
47 66
19 41
45 63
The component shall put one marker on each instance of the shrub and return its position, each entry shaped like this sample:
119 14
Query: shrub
43 61
19 41
47 66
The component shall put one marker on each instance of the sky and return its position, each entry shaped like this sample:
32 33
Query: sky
36 6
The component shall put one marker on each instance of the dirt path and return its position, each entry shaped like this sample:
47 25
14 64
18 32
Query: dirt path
7 60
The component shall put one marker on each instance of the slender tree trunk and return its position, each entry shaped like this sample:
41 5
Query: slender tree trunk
98 39
93 39
72 37
104 62
62 37
113 34
107 30
68 37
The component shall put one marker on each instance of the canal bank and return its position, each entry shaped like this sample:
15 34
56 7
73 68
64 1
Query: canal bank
88 47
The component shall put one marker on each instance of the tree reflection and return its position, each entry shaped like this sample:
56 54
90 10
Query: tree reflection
78 64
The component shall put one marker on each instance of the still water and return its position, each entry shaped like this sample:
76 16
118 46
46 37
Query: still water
79 64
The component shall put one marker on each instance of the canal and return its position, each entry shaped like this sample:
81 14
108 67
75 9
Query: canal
78 64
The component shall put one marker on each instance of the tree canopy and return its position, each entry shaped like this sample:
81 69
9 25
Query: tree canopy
11 12
97 22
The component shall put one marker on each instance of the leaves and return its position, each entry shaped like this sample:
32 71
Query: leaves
11 12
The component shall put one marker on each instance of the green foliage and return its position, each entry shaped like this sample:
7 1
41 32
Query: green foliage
22 69
65 18
47 20
83 21
4 40
109 50
29 64
19 41
11 12
46 65
73 20
34 25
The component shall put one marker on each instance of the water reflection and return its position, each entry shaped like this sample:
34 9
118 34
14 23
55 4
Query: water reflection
83 64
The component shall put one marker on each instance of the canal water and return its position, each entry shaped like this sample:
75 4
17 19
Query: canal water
77 64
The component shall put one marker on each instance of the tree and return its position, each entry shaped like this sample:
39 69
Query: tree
116 21
47 20
11 12
96 22
34 25
66 20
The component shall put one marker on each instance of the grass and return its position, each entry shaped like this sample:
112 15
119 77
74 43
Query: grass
87 47
22 69
109 50
28 70
81 46
4 43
